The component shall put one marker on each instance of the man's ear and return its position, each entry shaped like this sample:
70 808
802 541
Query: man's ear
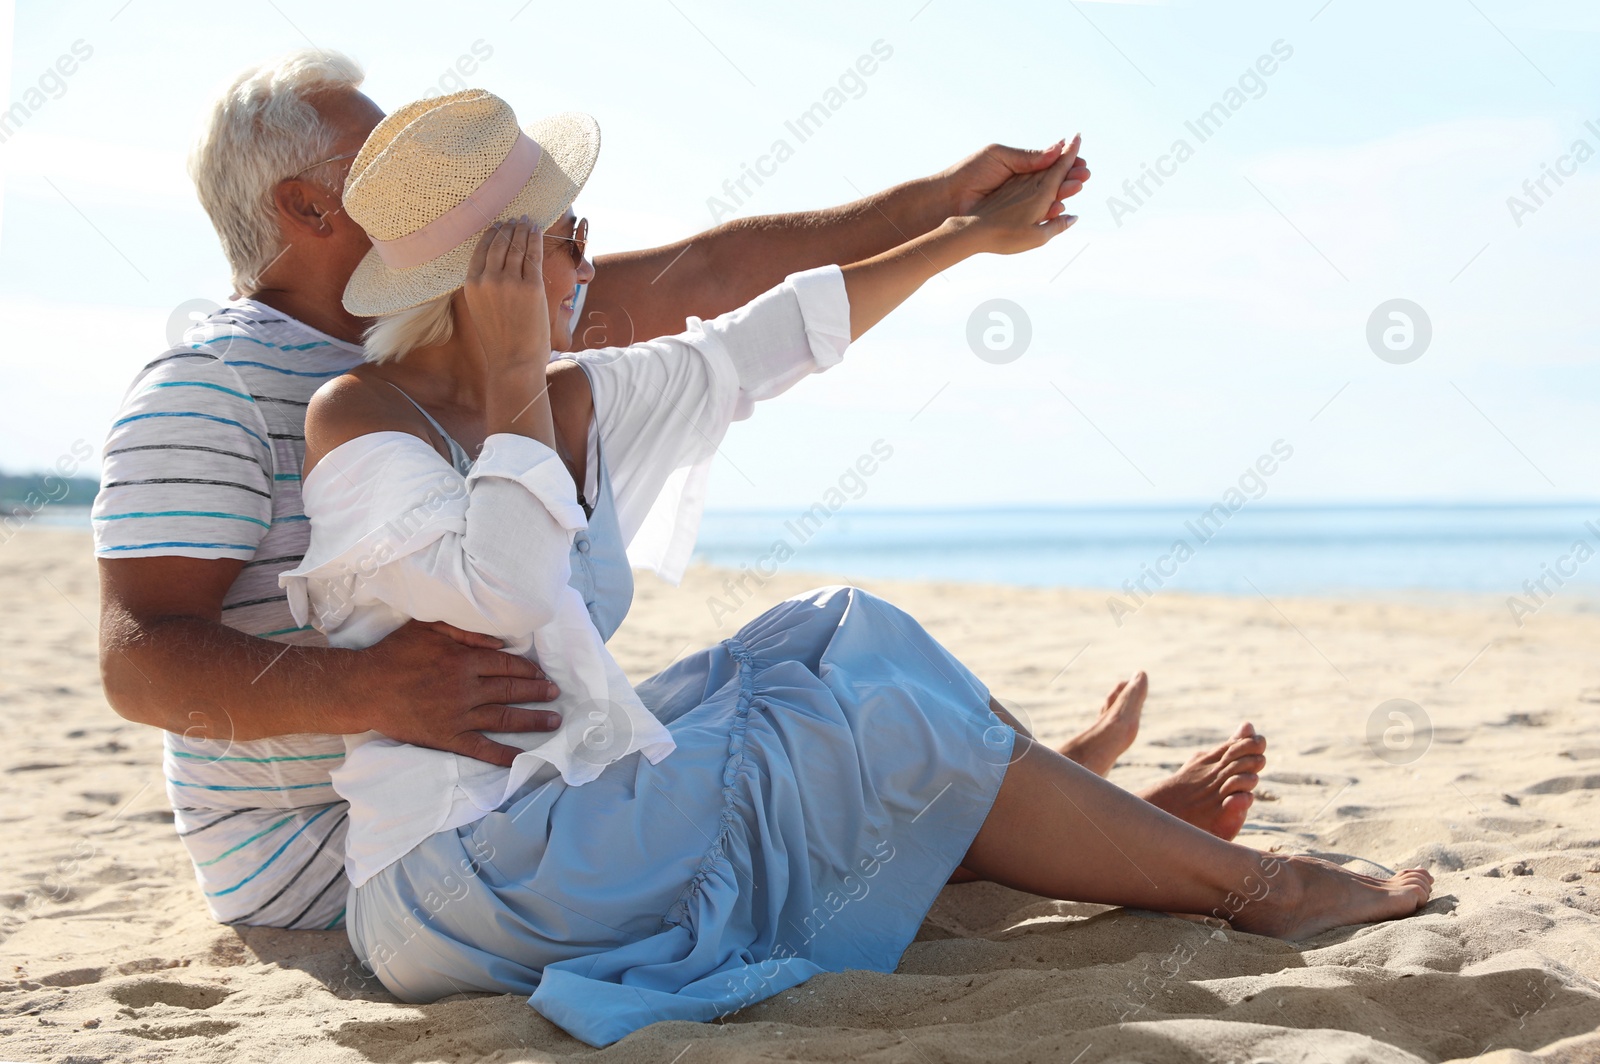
302 207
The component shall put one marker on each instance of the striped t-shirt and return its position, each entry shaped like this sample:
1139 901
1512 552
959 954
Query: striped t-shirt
203 461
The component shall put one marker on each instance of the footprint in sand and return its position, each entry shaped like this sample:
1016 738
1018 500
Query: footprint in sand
146 992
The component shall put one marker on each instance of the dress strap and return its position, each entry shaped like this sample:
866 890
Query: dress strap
599 445
457 452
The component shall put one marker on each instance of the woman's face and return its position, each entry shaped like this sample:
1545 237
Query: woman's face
562 276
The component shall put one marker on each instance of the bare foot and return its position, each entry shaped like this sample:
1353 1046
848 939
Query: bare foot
1213 789
1305 896
1108 738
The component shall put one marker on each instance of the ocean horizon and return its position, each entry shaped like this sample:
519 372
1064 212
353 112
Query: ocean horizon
1531 552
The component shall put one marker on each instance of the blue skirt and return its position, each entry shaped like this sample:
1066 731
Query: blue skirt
834 764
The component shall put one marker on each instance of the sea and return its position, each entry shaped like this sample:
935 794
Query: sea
1539 552
1535 553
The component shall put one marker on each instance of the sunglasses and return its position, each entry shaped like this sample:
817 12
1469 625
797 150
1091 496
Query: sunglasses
579 240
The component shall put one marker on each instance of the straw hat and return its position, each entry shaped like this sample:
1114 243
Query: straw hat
437 173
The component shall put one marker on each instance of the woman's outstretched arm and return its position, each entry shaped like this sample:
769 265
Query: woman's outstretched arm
1017 216
638 295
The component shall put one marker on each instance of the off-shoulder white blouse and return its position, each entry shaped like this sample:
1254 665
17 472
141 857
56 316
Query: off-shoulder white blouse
397 532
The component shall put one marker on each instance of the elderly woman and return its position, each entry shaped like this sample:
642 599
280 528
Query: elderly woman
786 802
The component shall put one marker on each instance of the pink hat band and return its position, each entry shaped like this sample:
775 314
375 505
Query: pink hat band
473 214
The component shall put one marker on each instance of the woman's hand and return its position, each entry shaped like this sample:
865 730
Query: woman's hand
1023 213
505 295
983 171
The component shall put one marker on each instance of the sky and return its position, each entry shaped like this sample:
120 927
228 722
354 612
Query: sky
1356 153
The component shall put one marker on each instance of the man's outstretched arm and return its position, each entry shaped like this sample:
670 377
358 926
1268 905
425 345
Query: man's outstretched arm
167 660
639 295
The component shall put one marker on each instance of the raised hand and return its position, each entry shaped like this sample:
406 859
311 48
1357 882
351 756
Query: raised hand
505 294
510 315
984 171
1022 213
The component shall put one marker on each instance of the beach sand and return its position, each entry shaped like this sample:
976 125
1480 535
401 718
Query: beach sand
109 955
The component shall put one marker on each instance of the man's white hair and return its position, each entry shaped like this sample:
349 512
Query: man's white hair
260 131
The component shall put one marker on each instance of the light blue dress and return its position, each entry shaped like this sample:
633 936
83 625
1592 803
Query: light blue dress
833 765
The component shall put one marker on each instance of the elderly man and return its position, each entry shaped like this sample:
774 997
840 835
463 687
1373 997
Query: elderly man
200 508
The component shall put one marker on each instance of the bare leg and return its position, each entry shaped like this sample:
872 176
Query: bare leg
1211 791
1058 830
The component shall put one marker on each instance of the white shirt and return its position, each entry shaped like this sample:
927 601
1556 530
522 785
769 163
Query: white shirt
398 533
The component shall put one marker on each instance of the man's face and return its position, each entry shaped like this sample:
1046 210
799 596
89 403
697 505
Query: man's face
352 115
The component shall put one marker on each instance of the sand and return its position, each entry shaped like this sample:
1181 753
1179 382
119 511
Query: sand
109 955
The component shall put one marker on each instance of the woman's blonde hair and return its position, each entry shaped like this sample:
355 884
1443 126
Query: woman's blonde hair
393 336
